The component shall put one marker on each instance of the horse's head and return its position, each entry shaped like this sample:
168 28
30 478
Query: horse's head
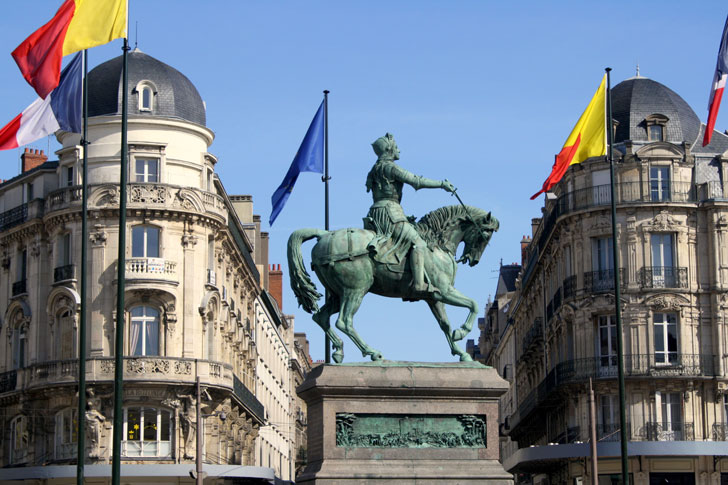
476 236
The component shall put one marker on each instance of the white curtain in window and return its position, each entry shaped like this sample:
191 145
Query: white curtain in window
152 337
135 344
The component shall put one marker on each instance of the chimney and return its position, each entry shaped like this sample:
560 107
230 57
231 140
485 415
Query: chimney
32 158
275 279
524 246
535 222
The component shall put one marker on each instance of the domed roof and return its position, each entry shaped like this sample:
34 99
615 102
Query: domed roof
174 95
637 98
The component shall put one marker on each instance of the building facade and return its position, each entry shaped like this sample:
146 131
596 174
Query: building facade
197 305
672 223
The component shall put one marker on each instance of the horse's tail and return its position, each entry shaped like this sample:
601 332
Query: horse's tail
303 287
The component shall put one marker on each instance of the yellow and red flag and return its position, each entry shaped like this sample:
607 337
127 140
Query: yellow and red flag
78 25
587 139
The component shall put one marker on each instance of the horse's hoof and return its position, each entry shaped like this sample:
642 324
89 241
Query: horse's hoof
338 356
376 356
466 358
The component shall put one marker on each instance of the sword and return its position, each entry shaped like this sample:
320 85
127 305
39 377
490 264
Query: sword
467 212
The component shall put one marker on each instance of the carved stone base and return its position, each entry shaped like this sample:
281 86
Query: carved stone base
404 423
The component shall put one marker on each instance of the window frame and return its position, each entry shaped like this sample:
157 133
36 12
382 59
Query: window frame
19 454
608 323
157 450
665 352
144 321
660 180
64 250
145 240
66 427
144 176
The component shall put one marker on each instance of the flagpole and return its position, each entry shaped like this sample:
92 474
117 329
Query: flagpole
120 278
617 295
81 418
327 339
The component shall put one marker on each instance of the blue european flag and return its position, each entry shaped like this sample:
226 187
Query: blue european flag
309 158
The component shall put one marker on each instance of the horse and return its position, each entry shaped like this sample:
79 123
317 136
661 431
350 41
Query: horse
348 269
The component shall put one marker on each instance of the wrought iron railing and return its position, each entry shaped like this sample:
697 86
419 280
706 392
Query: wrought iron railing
603 280
534 334
599 196
63 273
248 399
13 217
663 277
8 381
570 287
20 287
720 431
667 431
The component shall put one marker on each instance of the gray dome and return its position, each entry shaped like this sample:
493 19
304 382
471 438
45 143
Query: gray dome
175 96
637 98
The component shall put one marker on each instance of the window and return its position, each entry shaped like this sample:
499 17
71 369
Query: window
665 325
602 276
144 242
607 345
64 250
30 191
19 439
22 268
663 273
608 415
656 133
66 337
211 261
210 186
20 346
69 176
147 432
671 407
66 434
144 331
146 170
146 96
601 187
659 184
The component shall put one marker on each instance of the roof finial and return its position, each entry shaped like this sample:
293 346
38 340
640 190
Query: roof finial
136 35
638 70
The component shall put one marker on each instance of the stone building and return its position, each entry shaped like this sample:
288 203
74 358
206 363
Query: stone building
672 224
300 366
196 298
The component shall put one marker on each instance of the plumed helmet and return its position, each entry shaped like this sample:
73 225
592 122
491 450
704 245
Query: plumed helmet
384 145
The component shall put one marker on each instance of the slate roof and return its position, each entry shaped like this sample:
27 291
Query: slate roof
176 96
509 273
718 142
639 97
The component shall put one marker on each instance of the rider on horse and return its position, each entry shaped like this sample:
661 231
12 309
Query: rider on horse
386 217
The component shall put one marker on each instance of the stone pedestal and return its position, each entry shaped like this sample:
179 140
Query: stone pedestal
403 423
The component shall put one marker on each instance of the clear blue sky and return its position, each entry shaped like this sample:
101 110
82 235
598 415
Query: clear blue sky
482 93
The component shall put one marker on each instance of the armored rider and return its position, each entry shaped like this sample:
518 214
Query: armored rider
386 217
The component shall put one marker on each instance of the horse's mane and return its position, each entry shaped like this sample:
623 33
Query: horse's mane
433 225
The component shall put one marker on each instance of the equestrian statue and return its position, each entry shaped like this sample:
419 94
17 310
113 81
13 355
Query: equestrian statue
392 256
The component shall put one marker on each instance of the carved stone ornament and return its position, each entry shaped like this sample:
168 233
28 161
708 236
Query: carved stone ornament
663 222
34 249
107 196
603 225
665 303
189 241
148 194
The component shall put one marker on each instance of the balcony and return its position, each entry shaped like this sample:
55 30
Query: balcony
603 280
248 399
151 269
64 273
720 432
13 217
570 287
667 431
8 381
663 277
20 287
610 431
533 336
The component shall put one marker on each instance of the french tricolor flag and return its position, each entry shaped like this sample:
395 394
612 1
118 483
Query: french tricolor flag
716 90
60 110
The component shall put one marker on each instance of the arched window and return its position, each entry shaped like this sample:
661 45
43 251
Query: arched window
144 331
66 434
19 439
66 336
19 345
146 91
147 432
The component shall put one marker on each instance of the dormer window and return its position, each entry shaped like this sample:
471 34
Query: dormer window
655 125
146 91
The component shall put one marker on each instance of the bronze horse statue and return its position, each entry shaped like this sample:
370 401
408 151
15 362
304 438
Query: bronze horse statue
344 262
